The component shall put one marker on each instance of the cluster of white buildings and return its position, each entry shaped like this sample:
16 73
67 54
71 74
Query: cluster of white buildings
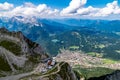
46 65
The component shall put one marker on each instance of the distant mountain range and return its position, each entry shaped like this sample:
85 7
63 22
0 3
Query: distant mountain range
89 36
20 54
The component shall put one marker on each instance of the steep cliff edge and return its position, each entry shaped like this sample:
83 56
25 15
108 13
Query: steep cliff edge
17 52
61 71
20 58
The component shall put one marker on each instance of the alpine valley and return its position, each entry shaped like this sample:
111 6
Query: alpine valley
80 49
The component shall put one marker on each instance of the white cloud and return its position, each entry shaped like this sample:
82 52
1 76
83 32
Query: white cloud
28 9
117 11
111 8
87 11
41 8
6 6
73 6
76 8
28 4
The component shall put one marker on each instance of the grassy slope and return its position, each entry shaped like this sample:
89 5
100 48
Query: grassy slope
92 72
4 65
13 47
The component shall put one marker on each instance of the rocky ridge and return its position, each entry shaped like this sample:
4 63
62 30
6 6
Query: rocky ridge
16 50
23 59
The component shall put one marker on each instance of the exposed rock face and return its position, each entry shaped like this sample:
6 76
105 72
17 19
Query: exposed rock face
114 76
25 44
65 73
16 50
61 71
12 59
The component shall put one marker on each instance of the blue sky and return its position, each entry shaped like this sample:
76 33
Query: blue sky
52 3
61 8
98 3
59 4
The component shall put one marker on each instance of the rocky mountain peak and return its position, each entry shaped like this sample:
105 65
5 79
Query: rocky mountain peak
16 50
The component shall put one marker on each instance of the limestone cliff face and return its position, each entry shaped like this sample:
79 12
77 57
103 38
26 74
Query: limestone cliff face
16 50
65 73
61 71
19 53
27 46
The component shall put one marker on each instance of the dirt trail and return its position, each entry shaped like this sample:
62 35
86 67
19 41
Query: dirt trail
17 77
58 69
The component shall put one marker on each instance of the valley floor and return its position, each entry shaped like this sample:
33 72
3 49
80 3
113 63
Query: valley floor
73 58
79 58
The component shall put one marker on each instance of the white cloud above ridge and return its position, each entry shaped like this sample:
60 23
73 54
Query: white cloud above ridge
109 9
87 11
75 8
6 6
27 9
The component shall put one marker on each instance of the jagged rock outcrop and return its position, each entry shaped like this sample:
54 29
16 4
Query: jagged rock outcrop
16 51
26 45
61 71
65 72
113 76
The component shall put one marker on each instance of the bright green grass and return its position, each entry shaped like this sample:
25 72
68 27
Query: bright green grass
101 46
109 61
74 47
94 54
118 51
92 72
